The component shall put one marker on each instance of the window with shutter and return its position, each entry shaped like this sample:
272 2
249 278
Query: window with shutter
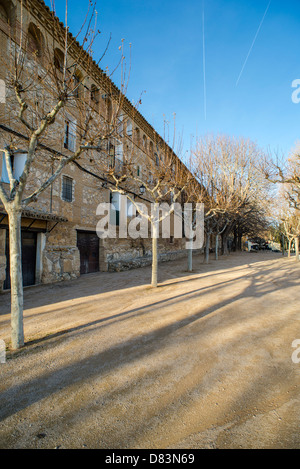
18 161
129 128
119 151
67 189
70 135
115 208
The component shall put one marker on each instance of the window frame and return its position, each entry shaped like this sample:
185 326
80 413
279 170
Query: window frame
70 134
67 191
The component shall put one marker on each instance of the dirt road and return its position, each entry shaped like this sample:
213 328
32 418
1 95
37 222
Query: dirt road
204 361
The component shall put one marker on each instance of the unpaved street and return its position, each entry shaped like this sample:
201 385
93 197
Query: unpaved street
204 361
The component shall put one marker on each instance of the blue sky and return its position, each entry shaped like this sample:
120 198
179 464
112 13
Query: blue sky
167 62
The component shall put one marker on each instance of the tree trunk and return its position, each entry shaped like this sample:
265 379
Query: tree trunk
283 245
190 259
297 248
224 236
190 252
207 246
16 280
289 248
217 247
235 239
154 255
224 244
239 240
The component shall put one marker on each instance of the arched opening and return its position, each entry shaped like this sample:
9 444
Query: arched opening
109 111
4 16
137 135
95 92
7 12
78 86
144 142
35 40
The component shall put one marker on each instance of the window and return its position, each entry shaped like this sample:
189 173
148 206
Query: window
70 135
130 209
111 155
94 94
137 135
115 200
156 159
18 161
3 14
138 171
129 128
77 84
109 110
35 41
115 208
145 142
119 151
7 14
67 189
2 91
120 125
59 60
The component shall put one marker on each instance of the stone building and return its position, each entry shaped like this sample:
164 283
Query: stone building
59 240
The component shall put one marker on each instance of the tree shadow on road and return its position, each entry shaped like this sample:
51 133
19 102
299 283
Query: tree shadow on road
21 396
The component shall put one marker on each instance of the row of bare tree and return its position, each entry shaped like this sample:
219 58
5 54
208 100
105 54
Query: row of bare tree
233 190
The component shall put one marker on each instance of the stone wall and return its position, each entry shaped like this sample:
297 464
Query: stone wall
143 261
60 263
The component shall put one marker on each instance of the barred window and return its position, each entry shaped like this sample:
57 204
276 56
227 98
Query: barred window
67 189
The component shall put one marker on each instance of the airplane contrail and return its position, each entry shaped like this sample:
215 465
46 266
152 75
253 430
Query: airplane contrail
253 43
204 69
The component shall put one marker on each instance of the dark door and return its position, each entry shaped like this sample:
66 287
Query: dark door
28 258
88 245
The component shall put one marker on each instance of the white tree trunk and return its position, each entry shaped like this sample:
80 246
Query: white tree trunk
154 255
16 279
190 251
217 247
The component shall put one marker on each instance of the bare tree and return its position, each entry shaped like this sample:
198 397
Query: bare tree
291 226
45 85
161 179
227 168
285 172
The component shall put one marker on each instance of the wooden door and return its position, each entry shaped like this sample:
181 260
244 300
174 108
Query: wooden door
28 258
88 245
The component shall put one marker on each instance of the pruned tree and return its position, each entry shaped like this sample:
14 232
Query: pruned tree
227 168
291 227
160 179
285 173
52 119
